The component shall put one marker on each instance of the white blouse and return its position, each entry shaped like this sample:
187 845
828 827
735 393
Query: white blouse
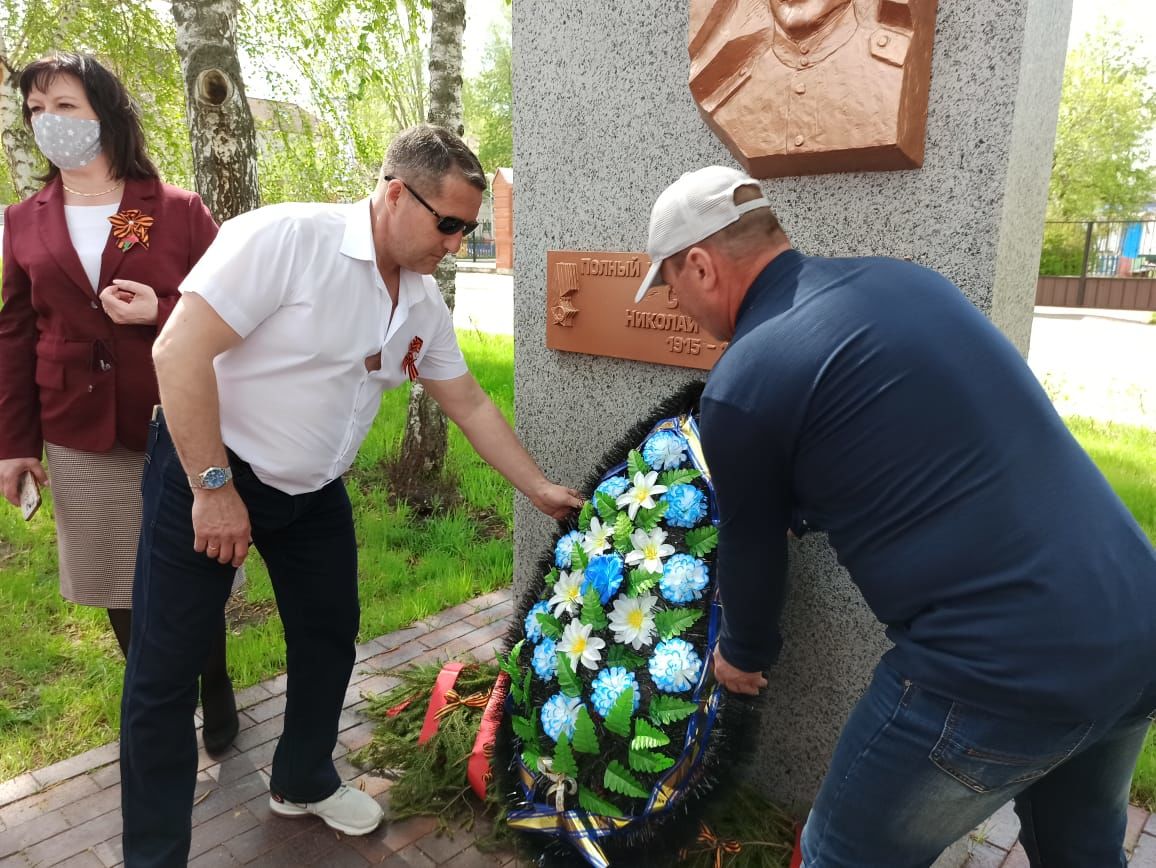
88 227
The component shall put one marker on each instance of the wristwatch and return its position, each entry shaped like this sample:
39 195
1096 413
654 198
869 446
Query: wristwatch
211 478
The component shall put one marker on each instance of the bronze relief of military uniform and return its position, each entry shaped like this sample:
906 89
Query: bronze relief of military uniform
849 96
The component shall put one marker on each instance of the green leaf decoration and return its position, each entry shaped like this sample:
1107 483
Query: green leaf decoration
530 755
649 762
635 463
670 709
620 655
509 663
618 720
677 477
551 626
552 577
606 506
647 736
648 519
639 582
525 728
564 763
592 611
623 528
527 697
618 779
591 804
674 621
585 515
702 540
585 738
516 652
567 679
579 560
516 691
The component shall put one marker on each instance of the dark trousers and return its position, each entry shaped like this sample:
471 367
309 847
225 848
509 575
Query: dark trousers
308 544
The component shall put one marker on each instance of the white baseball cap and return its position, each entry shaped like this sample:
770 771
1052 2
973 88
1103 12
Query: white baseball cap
694 207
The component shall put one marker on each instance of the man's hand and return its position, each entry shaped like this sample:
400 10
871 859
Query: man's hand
10 470
128 302
735 680
555 500
221 525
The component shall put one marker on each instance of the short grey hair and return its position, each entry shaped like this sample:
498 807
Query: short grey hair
424 155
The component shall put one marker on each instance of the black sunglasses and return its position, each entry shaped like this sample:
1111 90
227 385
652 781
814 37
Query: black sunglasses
446 225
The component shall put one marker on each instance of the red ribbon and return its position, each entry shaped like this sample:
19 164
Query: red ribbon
478 770
399 708
437 700
409 363
797 856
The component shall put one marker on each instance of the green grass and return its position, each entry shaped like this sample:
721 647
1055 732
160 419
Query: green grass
60 670
1127 457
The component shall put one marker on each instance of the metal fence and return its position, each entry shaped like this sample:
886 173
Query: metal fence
1099 248
1100 264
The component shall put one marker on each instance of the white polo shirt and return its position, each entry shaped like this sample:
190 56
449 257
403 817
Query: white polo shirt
299 282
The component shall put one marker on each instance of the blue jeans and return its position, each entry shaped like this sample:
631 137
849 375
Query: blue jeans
308 544
914 772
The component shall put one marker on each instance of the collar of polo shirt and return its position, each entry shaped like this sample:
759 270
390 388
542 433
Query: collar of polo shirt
357 243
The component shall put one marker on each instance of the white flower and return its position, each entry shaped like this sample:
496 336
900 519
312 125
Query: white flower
583 648
567 597
632 620
598 538
649 549
641 493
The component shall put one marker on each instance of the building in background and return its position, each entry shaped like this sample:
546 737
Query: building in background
503 188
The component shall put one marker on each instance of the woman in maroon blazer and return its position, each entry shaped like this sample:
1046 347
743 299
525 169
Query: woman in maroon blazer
91 268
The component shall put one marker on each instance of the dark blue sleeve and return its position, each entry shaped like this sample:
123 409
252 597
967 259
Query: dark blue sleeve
751 477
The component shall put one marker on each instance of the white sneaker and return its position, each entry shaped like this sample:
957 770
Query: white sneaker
348 810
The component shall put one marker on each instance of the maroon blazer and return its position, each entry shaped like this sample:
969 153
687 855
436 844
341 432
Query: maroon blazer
68 374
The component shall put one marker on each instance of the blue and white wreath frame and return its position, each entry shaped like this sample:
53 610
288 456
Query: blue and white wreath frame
612 704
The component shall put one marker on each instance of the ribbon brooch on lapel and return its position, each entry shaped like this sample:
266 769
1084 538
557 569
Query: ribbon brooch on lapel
131 227
409 363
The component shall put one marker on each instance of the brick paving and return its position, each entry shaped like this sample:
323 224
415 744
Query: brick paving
68 814
995 846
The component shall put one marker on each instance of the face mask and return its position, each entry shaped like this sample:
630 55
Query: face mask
68 143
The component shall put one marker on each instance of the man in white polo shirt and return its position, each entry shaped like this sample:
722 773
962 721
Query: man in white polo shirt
271 371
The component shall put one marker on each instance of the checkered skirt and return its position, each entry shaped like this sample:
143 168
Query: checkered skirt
97 502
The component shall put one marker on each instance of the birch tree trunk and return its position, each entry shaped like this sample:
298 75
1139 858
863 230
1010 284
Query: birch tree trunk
220 123
423 449
19 147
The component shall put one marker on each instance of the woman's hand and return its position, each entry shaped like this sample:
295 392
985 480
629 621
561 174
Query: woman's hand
10 472
128 302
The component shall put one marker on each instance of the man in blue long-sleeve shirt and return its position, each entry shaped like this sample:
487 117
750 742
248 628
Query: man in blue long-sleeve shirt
868 398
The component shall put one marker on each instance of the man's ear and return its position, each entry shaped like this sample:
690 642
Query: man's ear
392 192
700 266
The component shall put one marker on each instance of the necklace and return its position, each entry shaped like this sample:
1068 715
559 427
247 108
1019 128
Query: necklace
115 186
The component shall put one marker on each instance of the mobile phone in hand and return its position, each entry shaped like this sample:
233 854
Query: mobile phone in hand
29 495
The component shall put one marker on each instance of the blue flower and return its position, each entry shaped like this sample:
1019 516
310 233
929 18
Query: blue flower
604 574
609 685
675 666
613 486
545 660
560 715
683 579
664 451
686 505
532 626
564 549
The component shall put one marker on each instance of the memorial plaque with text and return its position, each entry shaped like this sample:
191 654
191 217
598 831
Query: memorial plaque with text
591 309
